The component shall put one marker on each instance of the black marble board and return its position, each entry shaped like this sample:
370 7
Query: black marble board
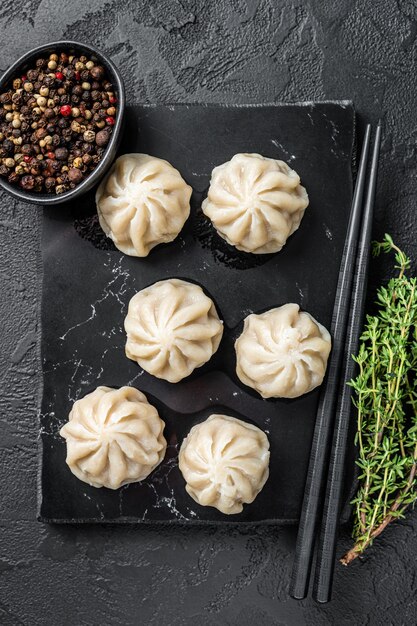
87 284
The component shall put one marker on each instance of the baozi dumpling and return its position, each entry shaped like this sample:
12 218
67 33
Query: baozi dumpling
282 353
172 327
255 203
114 437
225 463
142 202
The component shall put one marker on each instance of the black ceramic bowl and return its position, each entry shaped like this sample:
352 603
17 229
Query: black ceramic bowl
71 47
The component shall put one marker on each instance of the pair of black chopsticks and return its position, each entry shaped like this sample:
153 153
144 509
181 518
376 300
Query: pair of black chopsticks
334 410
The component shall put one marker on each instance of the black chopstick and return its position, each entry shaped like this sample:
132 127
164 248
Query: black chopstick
327 403
331 512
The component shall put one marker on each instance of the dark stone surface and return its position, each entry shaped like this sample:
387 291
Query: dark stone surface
171 51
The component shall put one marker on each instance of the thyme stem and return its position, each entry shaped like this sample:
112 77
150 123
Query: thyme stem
385 397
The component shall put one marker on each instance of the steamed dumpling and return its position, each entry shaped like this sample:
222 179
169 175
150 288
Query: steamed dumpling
172 327
143 201
225 463
255 203
282 353
114 437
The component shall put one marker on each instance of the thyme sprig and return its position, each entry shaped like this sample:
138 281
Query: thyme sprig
385 397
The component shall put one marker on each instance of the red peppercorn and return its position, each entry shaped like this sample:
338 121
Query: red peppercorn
110 120
65 110
51 155
112 99
59 75
23 79
27 158
77 76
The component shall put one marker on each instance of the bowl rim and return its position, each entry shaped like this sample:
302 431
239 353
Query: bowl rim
98 172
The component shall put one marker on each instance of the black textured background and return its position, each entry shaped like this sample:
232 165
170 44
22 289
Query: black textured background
212 51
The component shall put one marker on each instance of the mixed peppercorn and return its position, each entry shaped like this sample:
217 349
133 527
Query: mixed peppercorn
55 123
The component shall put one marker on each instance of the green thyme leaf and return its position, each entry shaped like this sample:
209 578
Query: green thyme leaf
385 400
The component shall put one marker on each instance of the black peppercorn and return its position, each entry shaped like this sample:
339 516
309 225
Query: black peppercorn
64 99
69 73
40 133
27 182
6 97
63 122
8 147
32 75
97 72
74 175
26 149
61 154
38 183
88 148
102 138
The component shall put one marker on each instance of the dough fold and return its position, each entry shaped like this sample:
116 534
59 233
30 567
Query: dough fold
255 203
225 463
172 328
143 201
114 437
282 353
